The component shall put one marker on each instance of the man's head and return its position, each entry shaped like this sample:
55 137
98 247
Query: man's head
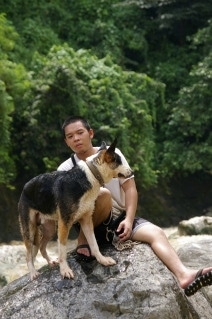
78 134
73 119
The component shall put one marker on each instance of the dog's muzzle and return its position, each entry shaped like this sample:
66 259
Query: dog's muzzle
129 174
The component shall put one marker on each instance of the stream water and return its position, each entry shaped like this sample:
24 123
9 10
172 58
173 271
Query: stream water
13 258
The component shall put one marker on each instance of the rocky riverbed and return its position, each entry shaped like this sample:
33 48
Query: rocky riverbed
13 262
13 256
138 286
13 259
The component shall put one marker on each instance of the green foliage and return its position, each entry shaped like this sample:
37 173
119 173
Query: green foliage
8 36
188 145
6 107
177 18
117 103
12 84
102 26
154 37
202 40
35 37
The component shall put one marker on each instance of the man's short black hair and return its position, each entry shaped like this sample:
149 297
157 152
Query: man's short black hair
73 119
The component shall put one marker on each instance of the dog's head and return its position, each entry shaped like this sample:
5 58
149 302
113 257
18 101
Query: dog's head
109 163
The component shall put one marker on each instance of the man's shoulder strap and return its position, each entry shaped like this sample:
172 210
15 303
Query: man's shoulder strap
73 159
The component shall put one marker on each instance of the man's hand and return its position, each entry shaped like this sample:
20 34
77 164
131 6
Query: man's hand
124 230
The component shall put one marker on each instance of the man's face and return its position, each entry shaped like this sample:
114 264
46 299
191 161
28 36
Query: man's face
78 138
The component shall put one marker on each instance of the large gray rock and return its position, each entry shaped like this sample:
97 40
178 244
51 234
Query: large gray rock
139 286
196 226
195 252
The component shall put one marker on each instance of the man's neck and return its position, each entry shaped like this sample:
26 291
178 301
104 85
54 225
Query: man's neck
89 152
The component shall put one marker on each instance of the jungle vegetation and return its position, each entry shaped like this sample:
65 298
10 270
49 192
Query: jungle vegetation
137 69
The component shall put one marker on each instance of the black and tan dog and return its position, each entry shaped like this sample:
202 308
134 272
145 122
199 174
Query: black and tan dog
66 197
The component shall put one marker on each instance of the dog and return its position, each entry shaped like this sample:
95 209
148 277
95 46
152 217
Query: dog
64 198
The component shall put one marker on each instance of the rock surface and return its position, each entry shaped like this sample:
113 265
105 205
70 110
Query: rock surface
139 286
195 226
195 252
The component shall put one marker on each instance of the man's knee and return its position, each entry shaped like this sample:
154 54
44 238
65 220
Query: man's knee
103 206
104 194
104 199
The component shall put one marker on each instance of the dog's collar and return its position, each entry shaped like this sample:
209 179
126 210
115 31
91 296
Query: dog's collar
95 172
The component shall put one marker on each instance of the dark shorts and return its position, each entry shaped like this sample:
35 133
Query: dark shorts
138 223
104 237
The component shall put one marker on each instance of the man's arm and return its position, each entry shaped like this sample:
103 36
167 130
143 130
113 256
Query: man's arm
131 199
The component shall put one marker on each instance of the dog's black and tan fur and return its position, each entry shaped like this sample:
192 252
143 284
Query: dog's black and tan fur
65 197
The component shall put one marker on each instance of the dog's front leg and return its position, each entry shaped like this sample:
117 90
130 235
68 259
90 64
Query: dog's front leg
63 231
87 228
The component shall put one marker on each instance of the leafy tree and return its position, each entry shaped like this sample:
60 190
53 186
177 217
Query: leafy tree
153 37
8 36
188 145
117 103
12 85
101 26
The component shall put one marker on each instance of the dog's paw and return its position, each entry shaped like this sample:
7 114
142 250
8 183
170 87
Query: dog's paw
66 272
53 263
107 261
34 274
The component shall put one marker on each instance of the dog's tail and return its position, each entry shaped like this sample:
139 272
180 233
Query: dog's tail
23 210
28 224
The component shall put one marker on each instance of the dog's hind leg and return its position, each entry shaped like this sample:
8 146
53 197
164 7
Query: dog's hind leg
31 250
48 229
36 242
29 231
63 231
87 228
31 240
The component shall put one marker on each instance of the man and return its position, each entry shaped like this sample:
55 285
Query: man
121 195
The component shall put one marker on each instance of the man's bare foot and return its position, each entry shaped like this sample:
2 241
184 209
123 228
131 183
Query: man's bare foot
198 279
84 249
189 278
83 253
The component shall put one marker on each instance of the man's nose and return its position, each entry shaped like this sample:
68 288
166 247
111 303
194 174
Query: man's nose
76 137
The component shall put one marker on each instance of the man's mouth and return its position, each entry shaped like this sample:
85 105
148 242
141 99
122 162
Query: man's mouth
78 145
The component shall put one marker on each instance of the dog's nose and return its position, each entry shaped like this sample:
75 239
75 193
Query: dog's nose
130 173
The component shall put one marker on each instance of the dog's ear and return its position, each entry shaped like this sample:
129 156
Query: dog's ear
112 146
103 146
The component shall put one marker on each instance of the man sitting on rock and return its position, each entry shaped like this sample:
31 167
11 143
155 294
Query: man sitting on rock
121 195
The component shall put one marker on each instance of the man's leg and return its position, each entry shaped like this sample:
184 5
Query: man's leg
102 211
156 238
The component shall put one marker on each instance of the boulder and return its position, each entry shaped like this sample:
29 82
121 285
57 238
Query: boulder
196 226
195 252
138 286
